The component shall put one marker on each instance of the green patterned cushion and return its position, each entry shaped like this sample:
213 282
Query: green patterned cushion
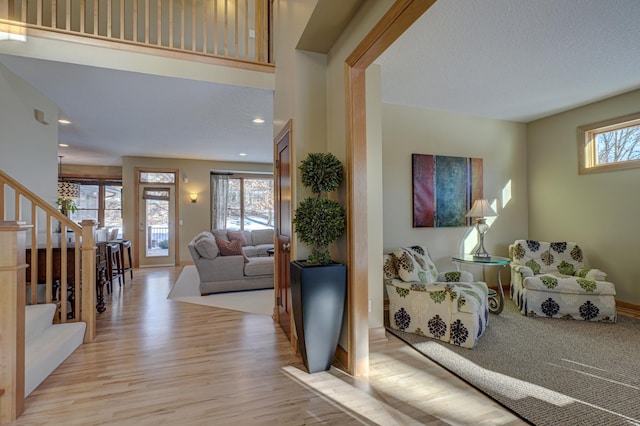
421 256
408 269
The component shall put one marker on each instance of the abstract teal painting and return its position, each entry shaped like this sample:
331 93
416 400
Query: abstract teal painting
444 189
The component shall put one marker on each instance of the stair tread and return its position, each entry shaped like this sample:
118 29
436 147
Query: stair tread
45 351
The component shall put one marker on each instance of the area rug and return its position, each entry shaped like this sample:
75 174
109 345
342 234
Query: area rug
186 289
550 371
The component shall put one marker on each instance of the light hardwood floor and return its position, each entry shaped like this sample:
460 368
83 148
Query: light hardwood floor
159 361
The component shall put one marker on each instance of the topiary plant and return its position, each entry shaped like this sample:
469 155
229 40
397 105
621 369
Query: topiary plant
318 220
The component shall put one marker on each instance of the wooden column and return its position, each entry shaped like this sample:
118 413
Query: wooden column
12 320
88 279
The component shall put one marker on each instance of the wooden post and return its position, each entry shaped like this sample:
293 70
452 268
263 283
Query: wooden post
88 308
4 9
12 318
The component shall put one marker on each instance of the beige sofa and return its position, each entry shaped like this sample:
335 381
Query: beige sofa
225 273
256 242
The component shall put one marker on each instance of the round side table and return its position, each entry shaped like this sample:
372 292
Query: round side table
496 304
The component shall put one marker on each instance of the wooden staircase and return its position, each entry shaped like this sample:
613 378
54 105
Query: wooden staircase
31 345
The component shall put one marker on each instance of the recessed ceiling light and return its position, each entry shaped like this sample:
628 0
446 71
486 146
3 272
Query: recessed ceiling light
64 145
258 120
243 154
63 121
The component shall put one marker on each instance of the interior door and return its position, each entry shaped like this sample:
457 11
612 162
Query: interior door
283 230
156 224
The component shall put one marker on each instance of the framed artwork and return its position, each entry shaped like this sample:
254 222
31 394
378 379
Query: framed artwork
444 188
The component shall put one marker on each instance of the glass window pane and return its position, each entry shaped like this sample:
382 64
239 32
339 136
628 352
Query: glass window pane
88 197
153 177
618 145
258 203
113 197
157 227
81 215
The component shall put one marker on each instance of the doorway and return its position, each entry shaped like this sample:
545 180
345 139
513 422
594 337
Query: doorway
283 231
156 207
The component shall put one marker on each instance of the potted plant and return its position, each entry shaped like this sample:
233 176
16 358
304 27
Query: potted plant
318 284
67 205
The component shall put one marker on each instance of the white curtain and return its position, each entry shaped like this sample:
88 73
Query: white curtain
219 192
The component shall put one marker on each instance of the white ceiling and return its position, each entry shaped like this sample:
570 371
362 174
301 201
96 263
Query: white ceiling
120 113
516 60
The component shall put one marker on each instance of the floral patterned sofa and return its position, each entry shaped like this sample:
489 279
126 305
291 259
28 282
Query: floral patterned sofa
445 306
550 280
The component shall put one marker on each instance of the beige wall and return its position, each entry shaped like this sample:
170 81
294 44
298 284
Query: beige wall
366 18
195 217
310 89
501 145
599 210
29 149
300 95
375 200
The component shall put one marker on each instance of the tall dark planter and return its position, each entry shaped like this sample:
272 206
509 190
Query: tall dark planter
318 296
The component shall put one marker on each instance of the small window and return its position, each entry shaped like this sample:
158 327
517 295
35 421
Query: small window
156 177
610 145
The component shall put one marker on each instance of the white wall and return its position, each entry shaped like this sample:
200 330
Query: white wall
501 145
29 149
599 210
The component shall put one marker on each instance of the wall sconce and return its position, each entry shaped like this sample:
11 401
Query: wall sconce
193 197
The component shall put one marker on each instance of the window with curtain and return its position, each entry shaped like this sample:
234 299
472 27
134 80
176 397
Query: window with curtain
241 202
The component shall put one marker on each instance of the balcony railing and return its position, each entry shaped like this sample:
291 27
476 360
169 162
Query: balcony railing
225 29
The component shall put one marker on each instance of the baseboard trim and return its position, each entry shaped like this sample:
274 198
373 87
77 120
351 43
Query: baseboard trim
341 359
377 334
626 308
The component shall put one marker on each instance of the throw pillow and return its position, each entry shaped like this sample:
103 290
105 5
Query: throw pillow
207 248
231 248
421 256
237 235
408 269
220 233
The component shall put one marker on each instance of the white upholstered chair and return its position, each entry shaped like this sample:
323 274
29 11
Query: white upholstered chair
551 280
447 306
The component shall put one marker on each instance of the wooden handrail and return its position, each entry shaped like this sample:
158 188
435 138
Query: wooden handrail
82 294
233 29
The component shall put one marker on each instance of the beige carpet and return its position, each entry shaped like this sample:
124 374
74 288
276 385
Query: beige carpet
186 290
550 371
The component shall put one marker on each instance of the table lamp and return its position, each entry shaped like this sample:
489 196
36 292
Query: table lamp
479 211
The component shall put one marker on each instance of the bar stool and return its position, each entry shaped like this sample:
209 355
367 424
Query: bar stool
114 264
125 245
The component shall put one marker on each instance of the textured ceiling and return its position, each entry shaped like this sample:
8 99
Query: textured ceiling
516 60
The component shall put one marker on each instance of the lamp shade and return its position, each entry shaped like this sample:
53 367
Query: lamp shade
481 208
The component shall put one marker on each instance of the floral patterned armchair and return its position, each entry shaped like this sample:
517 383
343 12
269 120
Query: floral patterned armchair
445 306
550 280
